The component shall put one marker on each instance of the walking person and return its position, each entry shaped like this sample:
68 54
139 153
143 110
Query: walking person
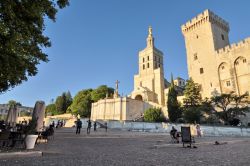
89 127
106 126
78 126
198 129
95 126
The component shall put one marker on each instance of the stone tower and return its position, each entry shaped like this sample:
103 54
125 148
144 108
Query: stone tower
149 83
203 35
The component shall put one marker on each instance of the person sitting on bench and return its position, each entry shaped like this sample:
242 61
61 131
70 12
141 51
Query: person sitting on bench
174 134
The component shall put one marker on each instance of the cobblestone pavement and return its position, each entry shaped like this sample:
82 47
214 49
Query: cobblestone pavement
134 148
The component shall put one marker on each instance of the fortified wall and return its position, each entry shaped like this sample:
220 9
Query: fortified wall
214 63
206 16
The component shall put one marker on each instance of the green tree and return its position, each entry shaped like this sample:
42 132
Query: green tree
231 105
101 92
82 103
192 94
63 102
192 114
154 115
69 99
60 104
174 111
51 109
13 103
22 39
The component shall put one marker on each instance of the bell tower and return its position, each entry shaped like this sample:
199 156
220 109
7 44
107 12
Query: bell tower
150 79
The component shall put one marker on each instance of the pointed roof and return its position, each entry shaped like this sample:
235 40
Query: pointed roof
150 38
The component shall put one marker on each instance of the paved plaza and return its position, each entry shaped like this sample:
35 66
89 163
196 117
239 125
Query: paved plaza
133 148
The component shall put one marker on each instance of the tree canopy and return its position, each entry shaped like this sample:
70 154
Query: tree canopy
61 104
192 93
154 115
51 109
22 39
101 92
82 103
232 106
13 103
174 111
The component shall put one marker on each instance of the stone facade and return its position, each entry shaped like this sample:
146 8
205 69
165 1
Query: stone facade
149 83
179 82
121 108
150 89
214 63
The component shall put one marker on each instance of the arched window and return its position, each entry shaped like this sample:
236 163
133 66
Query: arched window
242 74
225 78
138 97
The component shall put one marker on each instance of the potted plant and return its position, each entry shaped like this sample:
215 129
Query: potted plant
31 134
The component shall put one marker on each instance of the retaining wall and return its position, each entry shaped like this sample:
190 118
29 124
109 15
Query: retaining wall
166 127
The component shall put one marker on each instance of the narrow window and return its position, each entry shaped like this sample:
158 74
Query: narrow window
211 84
148 65
155 65
222 67
222 37
195 56
244 60
228 83
143 66
159 65
148 58
201 71
143 59
197 37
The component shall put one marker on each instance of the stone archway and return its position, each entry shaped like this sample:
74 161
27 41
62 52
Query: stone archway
241 70
138 97
226 84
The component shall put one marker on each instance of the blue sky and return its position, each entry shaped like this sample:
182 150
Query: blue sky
97 42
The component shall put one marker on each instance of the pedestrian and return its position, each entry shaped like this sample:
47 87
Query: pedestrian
106 126
89 127
95 126
53 123
198 129
78 126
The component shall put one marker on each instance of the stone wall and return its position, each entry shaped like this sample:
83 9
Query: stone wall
166 127
214 63
122 108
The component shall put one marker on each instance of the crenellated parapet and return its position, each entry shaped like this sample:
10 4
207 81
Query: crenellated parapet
204 17
234 46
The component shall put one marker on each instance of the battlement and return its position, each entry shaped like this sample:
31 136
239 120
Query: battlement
206 16
234 46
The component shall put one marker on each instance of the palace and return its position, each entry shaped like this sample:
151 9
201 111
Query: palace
214 63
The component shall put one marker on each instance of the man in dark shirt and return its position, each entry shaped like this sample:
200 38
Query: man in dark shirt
174 134
89 127
78 126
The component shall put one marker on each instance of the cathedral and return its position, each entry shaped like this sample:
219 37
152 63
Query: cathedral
215 64
150 89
